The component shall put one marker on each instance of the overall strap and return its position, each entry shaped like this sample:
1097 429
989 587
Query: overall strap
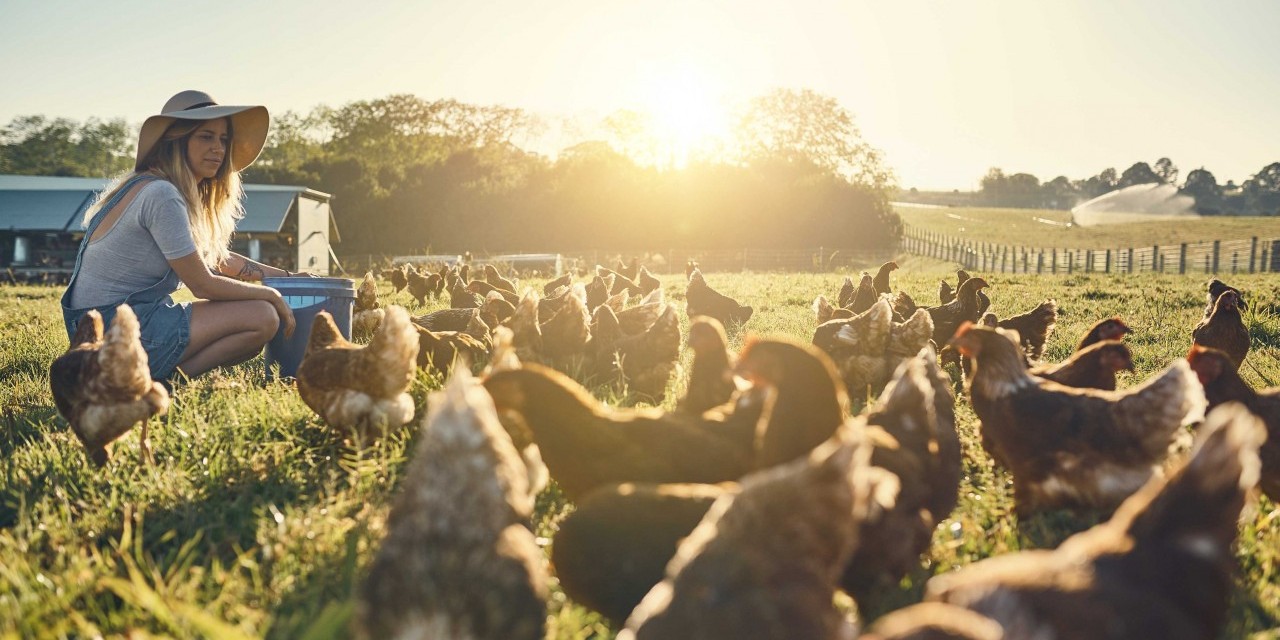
100 215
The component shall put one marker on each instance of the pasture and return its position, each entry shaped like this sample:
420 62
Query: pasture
257 522
1020 227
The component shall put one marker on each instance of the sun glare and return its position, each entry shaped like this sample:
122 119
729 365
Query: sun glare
686 117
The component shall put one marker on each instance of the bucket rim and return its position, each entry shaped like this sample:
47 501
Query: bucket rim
275 282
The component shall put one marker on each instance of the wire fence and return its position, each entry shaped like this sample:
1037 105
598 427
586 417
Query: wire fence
1250 255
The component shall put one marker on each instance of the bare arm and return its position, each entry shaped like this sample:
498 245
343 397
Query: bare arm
205 284
242 268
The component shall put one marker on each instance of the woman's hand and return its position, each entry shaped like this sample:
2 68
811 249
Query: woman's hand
287 321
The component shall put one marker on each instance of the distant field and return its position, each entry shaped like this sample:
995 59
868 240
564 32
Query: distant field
258 522
1020 227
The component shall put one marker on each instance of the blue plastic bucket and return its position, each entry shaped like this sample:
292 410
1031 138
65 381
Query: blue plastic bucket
308 297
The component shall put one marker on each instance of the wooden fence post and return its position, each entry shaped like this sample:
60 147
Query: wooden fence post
1253 252
1040 262
1054 263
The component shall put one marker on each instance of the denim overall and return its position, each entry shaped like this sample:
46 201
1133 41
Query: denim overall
165 324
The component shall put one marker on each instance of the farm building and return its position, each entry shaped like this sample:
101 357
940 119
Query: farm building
40 225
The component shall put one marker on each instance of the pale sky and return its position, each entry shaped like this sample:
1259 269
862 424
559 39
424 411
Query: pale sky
946 88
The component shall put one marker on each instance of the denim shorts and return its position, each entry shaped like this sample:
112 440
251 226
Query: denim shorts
166 331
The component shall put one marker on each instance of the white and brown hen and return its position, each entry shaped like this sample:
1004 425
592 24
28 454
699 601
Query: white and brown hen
102 385
360 389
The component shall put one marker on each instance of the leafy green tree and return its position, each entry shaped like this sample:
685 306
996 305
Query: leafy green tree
35 145
807 128
1203 186
1166 171
1139 173
1262 191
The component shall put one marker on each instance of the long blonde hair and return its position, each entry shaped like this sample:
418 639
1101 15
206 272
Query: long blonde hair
213 205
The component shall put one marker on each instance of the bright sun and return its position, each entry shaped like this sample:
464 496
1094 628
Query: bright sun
685 116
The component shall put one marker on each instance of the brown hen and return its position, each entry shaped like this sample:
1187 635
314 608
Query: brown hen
806 401
587 444
1224 328
882 278
1094 367
1222 384
711 375
649 359
1105 329
702 300
360 390
911 429
1034 327
615 545
763 563
1070 447
102 385
459 560
1161 567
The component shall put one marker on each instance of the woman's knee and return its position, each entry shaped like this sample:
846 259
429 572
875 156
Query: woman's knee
265 320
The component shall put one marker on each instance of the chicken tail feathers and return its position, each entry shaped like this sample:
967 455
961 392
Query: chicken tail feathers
122 358
324 332
395 346
1197 509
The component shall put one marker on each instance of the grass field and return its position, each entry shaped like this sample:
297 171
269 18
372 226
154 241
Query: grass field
257 522
1020 227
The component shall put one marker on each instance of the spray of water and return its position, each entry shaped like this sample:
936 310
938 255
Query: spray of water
1137 203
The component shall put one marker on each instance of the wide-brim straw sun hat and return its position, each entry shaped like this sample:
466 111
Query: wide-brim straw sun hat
249 125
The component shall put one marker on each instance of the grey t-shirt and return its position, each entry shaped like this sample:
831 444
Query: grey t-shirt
135 252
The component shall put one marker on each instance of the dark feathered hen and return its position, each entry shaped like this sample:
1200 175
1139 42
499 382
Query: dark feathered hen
865 296
102 385
563 281
882 278
702 300
1105 329
945 292
806 404
586 444
459 560
420 286
1216 288
1161 567
762 564
845 296
485 289
615 545
446 319
649 359
1070 447
1224 328
439 350
711 375
965 308
647 281
495 279
906 434
1094 367
1033 327
1222 384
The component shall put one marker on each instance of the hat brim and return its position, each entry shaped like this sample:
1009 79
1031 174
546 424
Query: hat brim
248 123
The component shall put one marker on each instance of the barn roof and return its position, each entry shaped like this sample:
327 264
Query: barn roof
47 203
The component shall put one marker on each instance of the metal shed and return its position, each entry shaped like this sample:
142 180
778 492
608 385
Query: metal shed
286 226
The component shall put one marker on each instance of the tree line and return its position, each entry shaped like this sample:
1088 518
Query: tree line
409 175
1259 195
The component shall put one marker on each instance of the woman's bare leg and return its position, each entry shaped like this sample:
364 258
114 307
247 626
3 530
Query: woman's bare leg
227 332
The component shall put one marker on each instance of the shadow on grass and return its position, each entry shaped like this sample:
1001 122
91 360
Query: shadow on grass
321 605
